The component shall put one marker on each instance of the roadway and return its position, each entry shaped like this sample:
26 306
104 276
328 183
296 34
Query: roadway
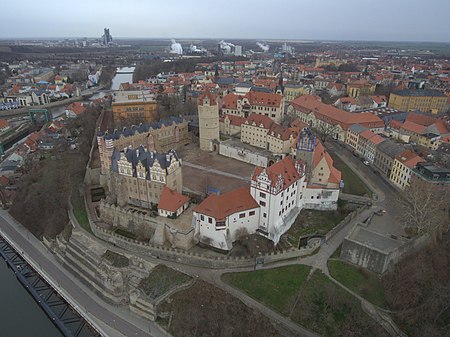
114 320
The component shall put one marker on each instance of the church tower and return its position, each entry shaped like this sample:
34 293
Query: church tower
306 145
208 120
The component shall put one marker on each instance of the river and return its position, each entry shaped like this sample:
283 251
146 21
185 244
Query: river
20 315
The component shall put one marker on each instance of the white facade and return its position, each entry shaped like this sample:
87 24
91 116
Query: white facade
280 203
221 233
323 199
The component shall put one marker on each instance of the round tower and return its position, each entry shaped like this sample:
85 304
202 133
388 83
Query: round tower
208 120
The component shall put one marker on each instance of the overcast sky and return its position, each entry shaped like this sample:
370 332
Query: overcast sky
387 20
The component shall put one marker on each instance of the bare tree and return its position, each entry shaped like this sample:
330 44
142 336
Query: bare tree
326 131
424 208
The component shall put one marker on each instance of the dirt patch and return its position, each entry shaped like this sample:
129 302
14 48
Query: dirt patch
204 310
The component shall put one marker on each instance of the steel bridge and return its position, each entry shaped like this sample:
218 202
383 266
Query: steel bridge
61 313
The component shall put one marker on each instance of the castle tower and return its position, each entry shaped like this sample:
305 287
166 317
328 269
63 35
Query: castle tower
306 144
208 120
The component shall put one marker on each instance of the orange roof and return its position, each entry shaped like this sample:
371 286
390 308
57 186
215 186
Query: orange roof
171 200
333 115
420 119
367 134
409 159
221 206
376 139
297 123
319 154
441 126
413 127
285 168
3 123
212 98
77 107
260 120
395 124
4 181
284 133
234 120
379 99
230 101
264 98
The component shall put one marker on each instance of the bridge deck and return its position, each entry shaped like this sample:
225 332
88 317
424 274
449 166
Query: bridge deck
65 318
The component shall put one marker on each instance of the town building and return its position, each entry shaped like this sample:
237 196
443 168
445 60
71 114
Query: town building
139 176
331 120
133 107
208 119
171 203
432 101
292 91
278 191
402 168
439 177
219 219
254 102
230 125
385 153
160 137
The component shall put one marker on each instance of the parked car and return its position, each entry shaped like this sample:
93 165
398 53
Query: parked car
365 162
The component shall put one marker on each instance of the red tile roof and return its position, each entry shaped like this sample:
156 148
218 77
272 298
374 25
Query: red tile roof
212 98
221 206
264 99
409 159
260 120
171 200
3 123
230 101
395 124
285 168
333 115
413 127
319 154
420 119
234 120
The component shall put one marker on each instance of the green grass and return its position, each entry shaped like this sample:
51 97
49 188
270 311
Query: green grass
362 282
314 222
277 288
322 305
329 310
117 260
352 183
161 280
80 211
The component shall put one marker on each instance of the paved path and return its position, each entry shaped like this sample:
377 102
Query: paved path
211 170
115 321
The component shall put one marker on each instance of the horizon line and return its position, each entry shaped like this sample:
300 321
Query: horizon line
223 38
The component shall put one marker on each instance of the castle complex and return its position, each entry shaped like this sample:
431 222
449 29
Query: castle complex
160 137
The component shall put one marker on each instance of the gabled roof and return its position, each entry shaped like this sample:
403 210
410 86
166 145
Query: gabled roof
221 206
212 98
319 154
420 119
171 200
409 159
413 127
260 119
234 120
230 101
285 168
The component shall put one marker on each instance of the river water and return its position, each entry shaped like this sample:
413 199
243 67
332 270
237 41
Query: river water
20 315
